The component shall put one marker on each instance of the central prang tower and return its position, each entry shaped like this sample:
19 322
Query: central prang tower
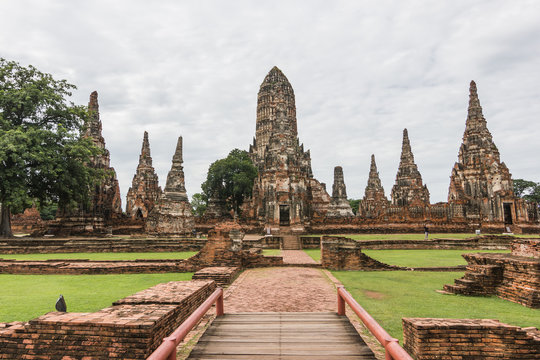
285 192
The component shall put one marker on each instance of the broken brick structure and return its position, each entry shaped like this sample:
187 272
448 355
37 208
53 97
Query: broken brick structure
171 214
514 277
27 222
471 339
285 193
375 202
339 205
132 328
481 188
144 190
105 204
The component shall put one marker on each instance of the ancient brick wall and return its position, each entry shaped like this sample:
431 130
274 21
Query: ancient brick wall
130 329
511 277
340 253
468 339
72 245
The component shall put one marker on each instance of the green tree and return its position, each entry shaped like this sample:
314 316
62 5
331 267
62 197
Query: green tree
42 153
354 205
199 202
528 190
230 179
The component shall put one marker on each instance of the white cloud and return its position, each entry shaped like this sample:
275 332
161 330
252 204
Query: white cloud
362 71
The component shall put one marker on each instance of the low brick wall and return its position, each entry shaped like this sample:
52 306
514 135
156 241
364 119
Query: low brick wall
341 253
468 339
130 329
483 242
72 245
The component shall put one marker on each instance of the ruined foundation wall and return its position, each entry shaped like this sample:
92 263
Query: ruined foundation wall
130 329
339 253
470 339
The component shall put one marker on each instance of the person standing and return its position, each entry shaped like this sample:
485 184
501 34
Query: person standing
426 232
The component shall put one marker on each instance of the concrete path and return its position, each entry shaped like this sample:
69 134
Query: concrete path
297 257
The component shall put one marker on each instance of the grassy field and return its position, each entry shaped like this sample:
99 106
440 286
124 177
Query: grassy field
271 252
414 258
24 297
102 256
391 295
417 236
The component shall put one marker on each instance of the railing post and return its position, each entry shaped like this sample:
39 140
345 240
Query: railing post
219 304
340 302
172 355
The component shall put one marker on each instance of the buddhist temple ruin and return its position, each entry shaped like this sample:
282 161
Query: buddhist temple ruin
408 189
375 202
481 187
105 203
284 191
339 205
145 190
172 212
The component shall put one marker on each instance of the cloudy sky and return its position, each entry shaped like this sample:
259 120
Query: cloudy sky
361 71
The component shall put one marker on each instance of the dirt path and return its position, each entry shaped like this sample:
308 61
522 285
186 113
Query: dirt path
287 289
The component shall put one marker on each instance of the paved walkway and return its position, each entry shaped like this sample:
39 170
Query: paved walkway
283 289
297 257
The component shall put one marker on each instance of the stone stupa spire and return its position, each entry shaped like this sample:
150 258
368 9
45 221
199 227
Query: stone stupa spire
479 180
172 213
408 189
144 190
339 205
374 202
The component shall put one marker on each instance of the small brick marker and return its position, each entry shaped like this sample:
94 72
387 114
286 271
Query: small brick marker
222 275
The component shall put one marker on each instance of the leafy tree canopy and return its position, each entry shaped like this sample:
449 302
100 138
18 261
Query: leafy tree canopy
230 179
42 154
355 203
198 204
528 190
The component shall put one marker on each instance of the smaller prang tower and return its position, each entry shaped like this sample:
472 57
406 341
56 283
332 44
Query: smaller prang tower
172 212
408 190
375 202
144 190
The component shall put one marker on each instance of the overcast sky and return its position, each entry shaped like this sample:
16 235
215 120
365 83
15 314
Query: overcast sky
361 71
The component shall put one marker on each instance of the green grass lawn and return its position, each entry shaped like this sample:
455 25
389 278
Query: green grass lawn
271 252
25 297
423 258
391 295
417 236
414 258
102 256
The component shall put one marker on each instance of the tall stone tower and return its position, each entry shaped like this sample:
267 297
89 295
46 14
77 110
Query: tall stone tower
374 203
144 190
172 213
339 205
284 190
105 203
481 187
408 189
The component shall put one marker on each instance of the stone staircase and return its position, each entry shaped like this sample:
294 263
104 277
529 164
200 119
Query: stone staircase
478 280
291 242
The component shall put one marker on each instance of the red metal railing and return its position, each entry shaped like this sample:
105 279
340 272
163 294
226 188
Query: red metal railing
167 350
393 351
